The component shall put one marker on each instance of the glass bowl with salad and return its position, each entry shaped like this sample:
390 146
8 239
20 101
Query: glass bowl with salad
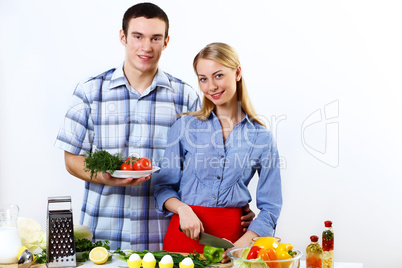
266 252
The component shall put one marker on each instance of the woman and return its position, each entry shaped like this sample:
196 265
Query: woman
212 155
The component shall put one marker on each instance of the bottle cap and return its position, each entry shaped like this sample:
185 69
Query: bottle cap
328 223
314 238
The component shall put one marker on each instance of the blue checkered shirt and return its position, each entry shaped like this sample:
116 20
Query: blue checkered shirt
106 113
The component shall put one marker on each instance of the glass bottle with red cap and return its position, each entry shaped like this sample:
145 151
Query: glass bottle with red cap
314 253
328 245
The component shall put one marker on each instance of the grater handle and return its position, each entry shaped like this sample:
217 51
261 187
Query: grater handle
59 199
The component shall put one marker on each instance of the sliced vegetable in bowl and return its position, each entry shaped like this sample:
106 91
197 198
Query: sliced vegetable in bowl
239 259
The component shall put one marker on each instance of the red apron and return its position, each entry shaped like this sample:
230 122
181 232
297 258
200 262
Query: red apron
217 221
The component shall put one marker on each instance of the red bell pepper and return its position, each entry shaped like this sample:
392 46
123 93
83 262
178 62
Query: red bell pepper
253 254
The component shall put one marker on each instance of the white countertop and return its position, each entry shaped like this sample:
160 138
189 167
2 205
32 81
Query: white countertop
119 263
338 264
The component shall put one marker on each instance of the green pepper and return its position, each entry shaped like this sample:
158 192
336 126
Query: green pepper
213 254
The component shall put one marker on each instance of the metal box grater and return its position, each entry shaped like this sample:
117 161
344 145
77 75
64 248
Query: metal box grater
60 233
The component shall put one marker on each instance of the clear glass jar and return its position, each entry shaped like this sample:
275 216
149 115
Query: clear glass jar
314 253
10 241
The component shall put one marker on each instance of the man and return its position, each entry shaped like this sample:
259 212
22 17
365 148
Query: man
126 110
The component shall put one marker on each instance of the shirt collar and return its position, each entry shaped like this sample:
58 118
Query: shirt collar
118 78
160 80
246 119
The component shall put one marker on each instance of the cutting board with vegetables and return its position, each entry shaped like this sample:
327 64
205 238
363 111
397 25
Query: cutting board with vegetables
116 262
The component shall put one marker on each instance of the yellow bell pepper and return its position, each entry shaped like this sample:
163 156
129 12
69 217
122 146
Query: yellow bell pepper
266 242
282 251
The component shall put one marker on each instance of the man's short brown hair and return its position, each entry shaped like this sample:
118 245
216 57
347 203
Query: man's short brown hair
147 10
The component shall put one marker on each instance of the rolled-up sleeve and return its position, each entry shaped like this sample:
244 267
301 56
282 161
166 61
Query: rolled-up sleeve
167 181
76 133
269 192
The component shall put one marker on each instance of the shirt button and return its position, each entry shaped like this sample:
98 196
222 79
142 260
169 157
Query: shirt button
213 197
222 156
218 178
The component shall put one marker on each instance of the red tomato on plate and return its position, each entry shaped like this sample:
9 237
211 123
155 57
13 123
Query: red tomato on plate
129 163
143 164
124 166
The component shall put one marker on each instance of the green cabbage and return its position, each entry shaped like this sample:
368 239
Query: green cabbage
248 264
81 232
31 234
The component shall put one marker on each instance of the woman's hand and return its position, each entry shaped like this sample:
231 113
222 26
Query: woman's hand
243 241
247 218
189 222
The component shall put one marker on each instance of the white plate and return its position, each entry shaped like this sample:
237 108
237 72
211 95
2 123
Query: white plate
133 173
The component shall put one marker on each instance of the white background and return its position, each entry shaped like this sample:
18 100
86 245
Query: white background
298 57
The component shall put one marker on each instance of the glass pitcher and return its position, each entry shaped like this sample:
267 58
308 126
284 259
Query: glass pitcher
10 241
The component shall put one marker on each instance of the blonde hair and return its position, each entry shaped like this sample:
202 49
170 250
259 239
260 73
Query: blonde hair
227 56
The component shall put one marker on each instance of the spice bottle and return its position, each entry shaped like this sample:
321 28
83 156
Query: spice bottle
314 253
328 245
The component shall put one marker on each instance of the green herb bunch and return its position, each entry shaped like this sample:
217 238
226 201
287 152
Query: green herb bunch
102 161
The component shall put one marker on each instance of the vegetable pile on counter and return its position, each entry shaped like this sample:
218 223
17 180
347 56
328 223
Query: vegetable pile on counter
161 258
266 249
101 253
83 245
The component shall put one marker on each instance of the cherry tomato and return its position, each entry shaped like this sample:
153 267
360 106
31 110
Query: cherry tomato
143 164
124 166
129 163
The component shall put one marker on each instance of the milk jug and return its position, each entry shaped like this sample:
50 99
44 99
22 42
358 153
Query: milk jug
10 241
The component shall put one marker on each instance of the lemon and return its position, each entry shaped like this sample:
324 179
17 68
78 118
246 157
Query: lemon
22 249
266 242
99 255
